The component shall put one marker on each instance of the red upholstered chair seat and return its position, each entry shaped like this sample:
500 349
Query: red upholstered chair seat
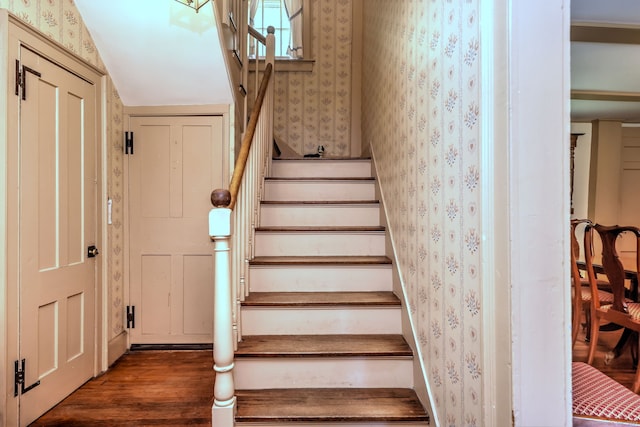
595 395
604 296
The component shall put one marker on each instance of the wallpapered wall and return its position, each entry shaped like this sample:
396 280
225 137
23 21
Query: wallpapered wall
315 108
420 115
61 21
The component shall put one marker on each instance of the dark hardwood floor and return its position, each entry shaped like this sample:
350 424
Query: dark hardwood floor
143 388
620 369
174 388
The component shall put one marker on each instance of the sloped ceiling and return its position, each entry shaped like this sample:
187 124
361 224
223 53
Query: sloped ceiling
159 52
605 60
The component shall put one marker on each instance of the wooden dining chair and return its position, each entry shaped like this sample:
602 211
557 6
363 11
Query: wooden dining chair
581 291
621 311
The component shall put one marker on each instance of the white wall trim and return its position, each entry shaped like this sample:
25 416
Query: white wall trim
117 347
177 110
5 353
496 292
102 311
538 115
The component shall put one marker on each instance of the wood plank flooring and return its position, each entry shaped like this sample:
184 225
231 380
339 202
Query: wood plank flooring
169 388
323 346
320 260
320 299
620 369
329 405
159 388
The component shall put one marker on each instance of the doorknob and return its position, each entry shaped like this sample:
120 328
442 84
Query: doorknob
92 251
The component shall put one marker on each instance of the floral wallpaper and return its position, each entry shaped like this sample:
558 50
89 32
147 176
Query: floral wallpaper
61 21
314 108
420 113
421 116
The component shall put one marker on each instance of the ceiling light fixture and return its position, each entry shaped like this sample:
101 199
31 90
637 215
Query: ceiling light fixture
194 4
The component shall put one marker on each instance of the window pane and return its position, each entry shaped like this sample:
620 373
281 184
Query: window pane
272 13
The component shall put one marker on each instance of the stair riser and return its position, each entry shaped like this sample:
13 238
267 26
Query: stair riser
285 372
325 168
265 372
287 278
320 215
320 244
319 190
329 424
313 321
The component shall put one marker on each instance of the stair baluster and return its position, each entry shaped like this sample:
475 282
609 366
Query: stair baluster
232 260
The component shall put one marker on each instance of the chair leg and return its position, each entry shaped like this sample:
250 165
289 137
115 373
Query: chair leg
587 315
575 326
636 381
593 343
635 347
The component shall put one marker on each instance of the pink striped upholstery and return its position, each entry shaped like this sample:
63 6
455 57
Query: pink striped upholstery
604 296
597 395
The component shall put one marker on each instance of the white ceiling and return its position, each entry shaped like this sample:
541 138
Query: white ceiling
159 52
606 67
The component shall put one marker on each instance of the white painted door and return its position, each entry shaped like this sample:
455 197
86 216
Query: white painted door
57 223
176 163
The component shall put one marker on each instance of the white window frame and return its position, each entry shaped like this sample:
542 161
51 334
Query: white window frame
305 63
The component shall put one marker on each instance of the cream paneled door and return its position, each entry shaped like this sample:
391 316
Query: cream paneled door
57 224
176 163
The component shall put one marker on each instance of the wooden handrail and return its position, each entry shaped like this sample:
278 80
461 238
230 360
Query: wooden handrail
218 196
232 231
257 35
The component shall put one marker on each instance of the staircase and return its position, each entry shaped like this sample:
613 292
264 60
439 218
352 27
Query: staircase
322 335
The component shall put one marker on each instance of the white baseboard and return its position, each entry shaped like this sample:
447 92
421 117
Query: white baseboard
117 347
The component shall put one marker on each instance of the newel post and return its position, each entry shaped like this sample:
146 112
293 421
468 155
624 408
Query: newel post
270 54
224 400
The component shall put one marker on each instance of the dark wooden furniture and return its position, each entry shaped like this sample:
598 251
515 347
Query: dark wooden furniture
581 292
621 312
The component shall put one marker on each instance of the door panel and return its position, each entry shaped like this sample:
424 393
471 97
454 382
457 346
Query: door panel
57 222
177 162
198 319
629 213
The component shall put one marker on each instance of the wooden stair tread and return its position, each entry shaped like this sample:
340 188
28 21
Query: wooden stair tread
329 405
317 178
319 202
320 260
323 345
340 229
311 159
263 299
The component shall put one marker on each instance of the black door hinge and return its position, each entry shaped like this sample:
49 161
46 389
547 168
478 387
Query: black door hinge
131 316
21 78
19 376
128 142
